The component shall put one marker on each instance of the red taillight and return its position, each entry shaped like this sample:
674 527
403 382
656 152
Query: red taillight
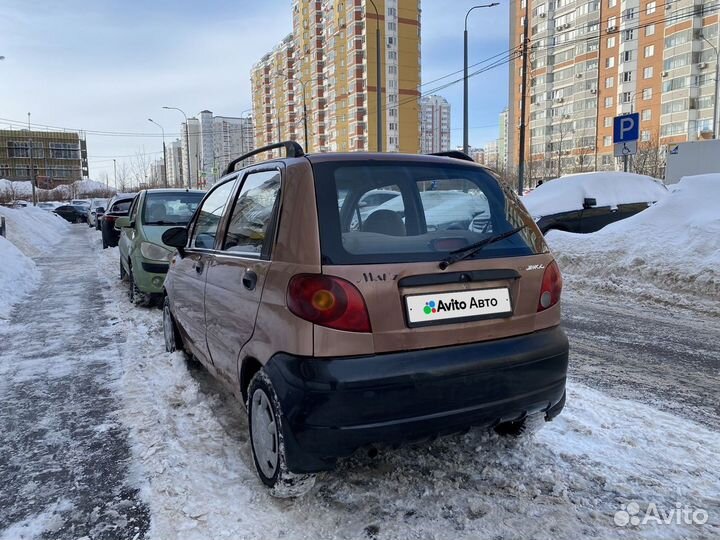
328 301
551 287
110 219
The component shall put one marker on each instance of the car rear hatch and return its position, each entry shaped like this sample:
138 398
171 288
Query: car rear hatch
394 255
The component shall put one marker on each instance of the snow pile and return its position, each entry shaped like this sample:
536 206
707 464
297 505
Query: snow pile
567 193
673 245
82 188
18 274
33 230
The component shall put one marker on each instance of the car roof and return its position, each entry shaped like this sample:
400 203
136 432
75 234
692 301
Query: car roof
388 156
173 190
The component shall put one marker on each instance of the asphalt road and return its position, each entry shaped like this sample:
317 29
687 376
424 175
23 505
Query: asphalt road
666 357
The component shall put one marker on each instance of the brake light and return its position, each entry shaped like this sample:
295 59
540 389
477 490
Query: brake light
551 287
328 301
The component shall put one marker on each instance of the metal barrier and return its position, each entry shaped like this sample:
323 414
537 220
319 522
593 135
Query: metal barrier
2 226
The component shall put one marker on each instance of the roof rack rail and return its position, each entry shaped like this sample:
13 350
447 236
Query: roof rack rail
292 149
457 154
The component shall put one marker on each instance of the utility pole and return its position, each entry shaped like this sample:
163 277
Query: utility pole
115 173
523 100
378 76
32 167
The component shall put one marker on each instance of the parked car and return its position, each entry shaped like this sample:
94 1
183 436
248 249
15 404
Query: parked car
144 259
74 214
96 206
117 207
336 338
48 206
585 203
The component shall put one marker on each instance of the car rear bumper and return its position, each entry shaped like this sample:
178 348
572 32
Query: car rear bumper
333 406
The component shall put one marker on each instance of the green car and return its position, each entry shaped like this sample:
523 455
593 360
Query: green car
144 259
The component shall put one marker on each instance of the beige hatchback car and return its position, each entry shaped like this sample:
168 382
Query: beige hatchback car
342 328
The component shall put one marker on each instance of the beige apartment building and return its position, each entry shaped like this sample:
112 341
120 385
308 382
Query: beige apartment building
592 60
328 65
51 157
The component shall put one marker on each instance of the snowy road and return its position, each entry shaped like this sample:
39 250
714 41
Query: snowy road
108 419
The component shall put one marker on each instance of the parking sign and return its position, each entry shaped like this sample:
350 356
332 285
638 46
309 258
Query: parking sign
626 128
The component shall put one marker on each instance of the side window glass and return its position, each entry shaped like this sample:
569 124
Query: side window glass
133 208
252 214
209 216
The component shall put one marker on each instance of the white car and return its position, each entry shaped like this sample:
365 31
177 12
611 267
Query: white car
96 206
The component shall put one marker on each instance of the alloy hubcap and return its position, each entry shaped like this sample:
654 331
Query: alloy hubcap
264 433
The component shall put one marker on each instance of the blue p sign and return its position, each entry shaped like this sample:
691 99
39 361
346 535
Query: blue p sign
626 128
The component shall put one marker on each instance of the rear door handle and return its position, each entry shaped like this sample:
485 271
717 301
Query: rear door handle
249 280
199 266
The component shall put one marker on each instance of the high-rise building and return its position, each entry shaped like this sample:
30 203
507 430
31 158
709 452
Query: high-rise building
175 164
50 157
328 66
502 141
434 124
590 61
222 139
191 149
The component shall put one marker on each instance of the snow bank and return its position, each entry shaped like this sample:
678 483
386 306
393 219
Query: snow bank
567 193
81 188
673 245
32 230
18 275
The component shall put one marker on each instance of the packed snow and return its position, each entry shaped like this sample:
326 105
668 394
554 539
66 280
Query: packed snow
567 193
18 275
670 249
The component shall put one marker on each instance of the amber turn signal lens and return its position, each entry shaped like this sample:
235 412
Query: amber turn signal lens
323 300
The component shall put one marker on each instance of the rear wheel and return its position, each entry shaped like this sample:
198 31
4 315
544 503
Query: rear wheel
173 339
266 441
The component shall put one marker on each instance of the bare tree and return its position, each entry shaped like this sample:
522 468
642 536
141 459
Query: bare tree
123 177
585 156
140 166
650 158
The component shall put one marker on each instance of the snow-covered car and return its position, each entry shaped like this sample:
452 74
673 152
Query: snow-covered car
47 206
586 202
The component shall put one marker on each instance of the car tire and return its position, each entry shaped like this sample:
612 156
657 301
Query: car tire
171 332
521 429
266 441
136 296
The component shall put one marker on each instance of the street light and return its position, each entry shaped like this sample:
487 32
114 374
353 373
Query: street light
716 118
187 137
305 123
164 150
466 129
378 76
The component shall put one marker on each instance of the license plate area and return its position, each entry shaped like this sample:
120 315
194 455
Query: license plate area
457 306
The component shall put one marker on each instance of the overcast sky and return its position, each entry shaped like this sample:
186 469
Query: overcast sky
108 65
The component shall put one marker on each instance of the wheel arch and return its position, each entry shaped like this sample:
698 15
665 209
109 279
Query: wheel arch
249 366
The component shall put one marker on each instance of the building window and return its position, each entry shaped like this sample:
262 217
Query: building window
607 140
608 102
18 149
626 97
649 51
648 72
647 115
647 94
608 121
650 9
628 35
612 3
650 30
611 42
626 56
609 82
610 62
627 76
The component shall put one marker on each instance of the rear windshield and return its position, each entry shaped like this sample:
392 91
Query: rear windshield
122 206
170 208
390 212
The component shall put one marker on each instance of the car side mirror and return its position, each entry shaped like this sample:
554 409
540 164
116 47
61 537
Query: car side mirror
99 210
122 222
589 203
176 237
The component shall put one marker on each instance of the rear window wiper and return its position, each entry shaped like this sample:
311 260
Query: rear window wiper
472 249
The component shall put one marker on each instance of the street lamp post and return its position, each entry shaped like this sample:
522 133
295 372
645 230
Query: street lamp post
378 76
716 118
187 137
164 150
466 129
305 122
